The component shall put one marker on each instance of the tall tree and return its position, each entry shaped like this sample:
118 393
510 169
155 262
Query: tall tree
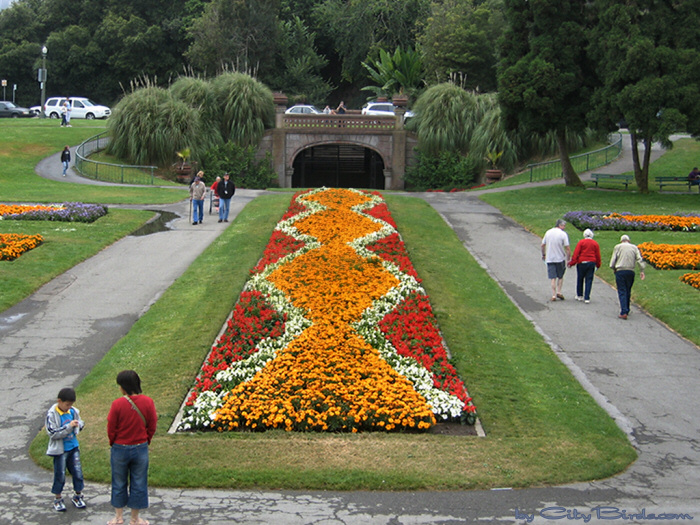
360 28
545 78
650 72
459 37
242 33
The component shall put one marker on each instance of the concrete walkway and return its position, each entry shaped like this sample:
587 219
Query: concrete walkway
643 374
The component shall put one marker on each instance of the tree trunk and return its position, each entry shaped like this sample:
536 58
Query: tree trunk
641 171
571 178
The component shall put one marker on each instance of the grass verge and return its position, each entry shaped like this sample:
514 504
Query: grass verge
65 245
542 427
662 294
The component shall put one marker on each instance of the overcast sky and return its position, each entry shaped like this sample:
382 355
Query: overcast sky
4 3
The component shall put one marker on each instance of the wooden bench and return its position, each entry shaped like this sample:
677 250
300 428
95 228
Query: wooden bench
675 181
611 177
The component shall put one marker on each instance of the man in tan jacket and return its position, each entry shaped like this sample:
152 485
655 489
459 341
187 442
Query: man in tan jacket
624 259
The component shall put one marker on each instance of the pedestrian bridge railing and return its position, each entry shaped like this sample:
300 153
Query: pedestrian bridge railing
585 162
104 171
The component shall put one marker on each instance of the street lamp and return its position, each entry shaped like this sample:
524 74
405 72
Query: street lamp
42 79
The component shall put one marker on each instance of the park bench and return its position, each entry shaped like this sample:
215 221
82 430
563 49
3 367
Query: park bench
674 181
611 177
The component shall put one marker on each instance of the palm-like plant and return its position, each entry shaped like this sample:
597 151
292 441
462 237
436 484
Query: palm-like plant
401 72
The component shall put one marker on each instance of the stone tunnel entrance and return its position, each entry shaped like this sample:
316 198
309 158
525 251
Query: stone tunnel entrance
338 166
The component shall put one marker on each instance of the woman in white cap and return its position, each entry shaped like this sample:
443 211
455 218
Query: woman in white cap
586 258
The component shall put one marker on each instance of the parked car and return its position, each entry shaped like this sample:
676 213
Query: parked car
35 111
382 109
81 107
9 110
303 109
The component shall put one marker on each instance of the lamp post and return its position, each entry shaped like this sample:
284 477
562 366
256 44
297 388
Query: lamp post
42 79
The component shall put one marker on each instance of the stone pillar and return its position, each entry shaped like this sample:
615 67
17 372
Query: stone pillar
398 162
279 139
289 173
388 175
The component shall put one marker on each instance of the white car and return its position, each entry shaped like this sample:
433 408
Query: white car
81 107
303 109
382 109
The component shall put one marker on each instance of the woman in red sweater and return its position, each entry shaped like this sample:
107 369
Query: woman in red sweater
131 424
586 258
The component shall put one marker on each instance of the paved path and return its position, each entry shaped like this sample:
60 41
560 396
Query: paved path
642 373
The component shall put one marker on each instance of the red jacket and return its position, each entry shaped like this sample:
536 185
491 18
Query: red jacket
587 250
125 426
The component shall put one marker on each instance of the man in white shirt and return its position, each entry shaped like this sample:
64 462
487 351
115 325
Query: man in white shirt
556 252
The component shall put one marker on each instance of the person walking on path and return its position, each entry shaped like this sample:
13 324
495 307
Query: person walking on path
197 192
624 259
63 424
65 159
131 424
556 253
587 259
64 114
225 190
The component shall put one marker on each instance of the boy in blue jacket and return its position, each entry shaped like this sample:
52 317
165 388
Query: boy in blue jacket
63 424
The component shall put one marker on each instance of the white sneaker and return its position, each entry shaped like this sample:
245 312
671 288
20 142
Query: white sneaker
579 298
587 301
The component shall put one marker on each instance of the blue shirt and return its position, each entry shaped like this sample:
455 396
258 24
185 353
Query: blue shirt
70 442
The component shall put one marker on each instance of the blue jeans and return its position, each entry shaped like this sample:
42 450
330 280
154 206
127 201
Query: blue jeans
129 476
65 166
198 212
68 460
584 275
224 206
624 280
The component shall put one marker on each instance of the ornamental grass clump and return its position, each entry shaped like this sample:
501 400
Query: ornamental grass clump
326 349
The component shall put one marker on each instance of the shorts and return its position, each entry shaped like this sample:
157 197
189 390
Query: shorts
555 270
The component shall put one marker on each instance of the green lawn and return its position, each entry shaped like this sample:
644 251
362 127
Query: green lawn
27 141
542 427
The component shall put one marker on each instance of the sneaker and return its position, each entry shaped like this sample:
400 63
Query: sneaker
579 298
58 505
587 301
78 501
623 316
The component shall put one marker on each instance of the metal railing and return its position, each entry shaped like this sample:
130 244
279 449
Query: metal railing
104 171
585 162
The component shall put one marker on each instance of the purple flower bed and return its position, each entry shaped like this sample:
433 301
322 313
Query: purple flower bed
65 212
598 220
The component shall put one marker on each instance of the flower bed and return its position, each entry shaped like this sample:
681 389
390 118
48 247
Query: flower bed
68 212
671 256
341 336
12 245
674 257
693 279
598 220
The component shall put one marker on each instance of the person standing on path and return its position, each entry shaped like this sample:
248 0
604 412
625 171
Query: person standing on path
225 190
65 159
69 108
64 114
197 192
624 259
63 424
131 424
556 253
586 258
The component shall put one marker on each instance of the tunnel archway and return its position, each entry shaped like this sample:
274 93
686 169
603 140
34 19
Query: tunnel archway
338 166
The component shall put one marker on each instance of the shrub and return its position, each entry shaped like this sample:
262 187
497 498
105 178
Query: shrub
240 162
445 171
